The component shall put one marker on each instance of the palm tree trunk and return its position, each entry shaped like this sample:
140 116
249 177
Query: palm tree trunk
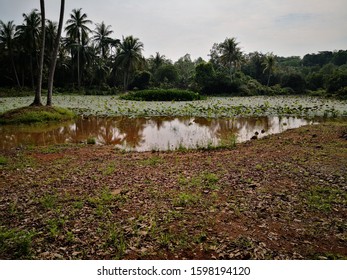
125 81
37 100
78 68
55 54
268 79
32 72
14 68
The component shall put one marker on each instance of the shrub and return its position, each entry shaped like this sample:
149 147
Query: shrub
161 95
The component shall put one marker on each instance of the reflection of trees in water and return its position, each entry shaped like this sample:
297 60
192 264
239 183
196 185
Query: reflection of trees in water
132 130
14 136
129 132
224 128
159 122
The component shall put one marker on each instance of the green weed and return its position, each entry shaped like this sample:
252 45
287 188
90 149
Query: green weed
185 199
49 201
116 240
15 244
324 198
3 160
91 141
55 226
152 161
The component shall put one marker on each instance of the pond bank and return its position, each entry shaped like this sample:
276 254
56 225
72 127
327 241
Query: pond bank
280 197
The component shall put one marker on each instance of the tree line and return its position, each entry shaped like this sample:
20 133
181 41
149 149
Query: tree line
90 58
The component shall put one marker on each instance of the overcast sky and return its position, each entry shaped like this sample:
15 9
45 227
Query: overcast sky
177 27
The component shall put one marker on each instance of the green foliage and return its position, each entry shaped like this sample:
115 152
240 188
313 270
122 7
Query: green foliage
337 81
166 74
162 95
185 199
141 80
204 74
33 114
324 198
15 244
3 160
91 141
342 92
294 81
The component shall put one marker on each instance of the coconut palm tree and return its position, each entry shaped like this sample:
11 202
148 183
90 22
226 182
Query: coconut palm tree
129 57
102 39
270 65
230 55
55 54
37 100
29 35
78 30
7 37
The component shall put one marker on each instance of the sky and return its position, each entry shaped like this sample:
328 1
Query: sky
177 27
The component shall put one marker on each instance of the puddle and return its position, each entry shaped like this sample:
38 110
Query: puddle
146 134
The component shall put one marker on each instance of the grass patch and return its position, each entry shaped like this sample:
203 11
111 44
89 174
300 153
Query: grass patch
33 114
161 95
185 199
91 141
15 244
324 198
3 160
152 161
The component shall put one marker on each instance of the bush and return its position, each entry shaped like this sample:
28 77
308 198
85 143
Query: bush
161 95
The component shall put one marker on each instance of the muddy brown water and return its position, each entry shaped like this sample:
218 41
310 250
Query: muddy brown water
146 134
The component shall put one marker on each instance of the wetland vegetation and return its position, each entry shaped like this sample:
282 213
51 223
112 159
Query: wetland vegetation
70 189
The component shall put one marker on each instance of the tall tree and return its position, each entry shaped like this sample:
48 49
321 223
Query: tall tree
156 61
78 30
7 36
53 62
129 57
37 100
230 55
269 64
102 39
29 37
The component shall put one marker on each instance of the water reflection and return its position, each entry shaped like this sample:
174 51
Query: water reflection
143 134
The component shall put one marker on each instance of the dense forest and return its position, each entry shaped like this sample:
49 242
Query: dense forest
92 61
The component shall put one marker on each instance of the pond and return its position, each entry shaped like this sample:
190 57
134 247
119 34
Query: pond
151 133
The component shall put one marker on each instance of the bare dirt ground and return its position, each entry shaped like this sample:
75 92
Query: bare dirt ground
281 197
